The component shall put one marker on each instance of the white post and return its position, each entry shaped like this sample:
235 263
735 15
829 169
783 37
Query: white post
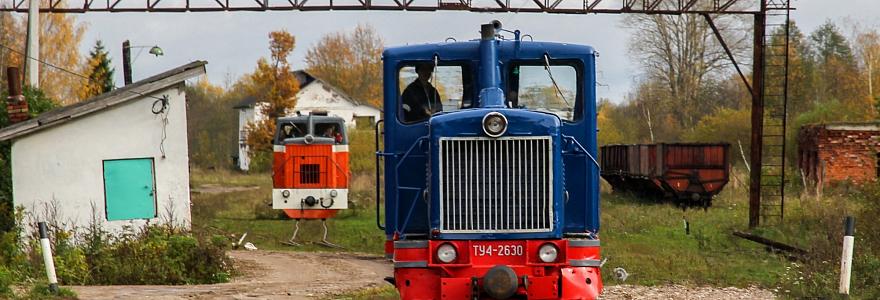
32 61
846 256
47 257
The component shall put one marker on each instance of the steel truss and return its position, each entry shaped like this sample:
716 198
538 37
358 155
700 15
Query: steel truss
531 6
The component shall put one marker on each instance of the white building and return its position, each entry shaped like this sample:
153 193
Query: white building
315 95
120 157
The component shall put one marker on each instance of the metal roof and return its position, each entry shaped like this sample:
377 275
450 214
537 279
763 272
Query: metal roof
104 101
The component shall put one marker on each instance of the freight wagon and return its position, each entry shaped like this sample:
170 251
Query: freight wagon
690 174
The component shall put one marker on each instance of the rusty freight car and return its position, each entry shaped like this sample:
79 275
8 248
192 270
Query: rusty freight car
690 174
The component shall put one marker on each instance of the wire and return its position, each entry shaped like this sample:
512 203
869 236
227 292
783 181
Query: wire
69 71
47 63
164 109
558 90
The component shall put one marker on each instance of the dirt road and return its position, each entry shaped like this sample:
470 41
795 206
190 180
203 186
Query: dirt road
309 275
268 275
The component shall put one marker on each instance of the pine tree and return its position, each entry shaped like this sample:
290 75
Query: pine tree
99 71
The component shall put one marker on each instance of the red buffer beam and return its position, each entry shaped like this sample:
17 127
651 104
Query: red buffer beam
532 6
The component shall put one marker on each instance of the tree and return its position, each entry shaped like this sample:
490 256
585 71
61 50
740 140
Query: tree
680 53
837 75
211 125
99 71
867 45
60 36
275 87
350 61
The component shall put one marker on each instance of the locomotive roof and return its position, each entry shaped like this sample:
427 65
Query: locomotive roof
318 118
470 49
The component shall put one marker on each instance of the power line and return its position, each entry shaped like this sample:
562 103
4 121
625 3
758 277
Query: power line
69 71
46 63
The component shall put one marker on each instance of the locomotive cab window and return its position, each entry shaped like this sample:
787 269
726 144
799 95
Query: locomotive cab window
555 90
426 89
330 132
291 130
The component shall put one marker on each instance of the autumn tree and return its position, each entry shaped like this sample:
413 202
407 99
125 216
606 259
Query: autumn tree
867 46
275 87
99 71
60 36
350 61
681 53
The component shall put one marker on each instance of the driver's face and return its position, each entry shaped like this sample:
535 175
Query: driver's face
425 73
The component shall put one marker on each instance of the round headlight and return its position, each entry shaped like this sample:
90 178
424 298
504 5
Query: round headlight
285 193
446 253
334 193
494 124
548 252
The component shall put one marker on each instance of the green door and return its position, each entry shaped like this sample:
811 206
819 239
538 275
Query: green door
128 189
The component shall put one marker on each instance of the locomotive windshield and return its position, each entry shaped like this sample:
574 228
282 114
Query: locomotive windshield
554 90
308 130
425 89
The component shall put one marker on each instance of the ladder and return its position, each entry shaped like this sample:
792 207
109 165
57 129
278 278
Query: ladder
775 97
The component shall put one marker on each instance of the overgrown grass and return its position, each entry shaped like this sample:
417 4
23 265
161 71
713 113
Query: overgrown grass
650 242
236 213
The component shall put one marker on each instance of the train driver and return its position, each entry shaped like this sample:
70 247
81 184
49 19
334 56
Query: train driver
420 99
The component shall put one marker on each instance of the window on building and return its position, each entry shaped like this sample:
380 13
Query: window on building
364 122
129 189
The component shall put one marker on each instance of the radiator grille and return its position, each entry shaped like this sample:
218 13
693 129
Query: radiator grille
496 185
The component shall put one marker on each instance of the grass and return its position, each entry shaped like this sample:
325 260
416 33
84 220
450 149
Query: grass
645 238
650 242
234 213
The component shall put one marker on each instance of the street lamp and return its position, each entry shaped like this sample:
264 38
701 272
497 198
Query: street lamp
126 58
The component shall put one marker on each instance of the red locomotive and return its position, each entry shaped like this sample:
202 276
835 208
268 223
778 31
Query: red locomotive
310 169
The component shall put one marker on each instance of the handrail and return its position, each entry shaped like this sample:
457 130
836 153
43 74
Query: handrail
574 141
378 181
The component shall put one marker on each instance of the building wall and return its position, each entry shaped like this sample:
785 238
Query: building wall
245 117
317 97
834 153
62 166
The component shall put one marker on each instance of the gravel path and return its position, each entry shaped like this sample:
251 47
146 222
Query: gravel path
632 292
267 275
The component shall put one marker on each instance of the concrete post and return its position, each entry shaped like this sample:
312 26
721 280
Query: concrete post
32 61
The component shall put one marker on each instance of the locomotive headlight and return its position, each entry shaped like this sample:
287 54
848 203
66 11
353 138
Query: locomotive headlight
446 253
334 193
285 193
548 252
494 124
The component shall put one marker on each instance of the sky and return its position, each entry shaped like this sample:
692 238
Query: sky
233 42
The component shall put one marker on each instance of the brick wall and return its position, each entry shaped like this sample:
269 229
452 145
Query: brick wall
17 109
839 152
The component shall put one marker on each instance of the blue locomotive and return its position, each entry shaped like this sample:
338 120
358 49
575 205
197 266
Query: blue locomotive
490 177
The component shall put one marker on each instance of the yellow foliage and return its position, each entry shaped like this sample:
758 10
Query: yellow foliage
275 87
351 62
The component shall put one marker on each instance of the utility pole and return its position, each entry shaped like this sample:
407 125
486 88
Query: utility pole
126 62
32 61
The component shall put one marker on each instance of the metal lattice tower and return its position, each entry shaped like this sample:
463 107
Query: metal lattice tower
774 93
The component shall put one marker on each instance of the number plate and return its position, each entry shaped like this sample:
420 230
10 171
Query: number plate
497 249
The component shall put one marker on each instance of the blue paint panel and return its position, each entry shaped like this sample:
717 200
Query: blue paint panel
128 189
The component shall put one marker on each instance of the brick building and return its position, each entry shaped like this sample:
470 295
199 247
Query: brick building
829 153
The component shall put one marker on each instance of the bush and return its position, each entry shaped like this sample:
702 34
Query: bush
822 224
6 281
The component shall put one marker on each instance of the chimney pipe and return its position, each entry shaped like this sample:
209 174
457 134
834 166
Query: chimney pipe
126 62
16 106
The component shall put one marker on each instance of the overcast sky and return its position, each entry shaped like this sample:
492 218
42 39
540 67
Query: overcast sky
232 42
